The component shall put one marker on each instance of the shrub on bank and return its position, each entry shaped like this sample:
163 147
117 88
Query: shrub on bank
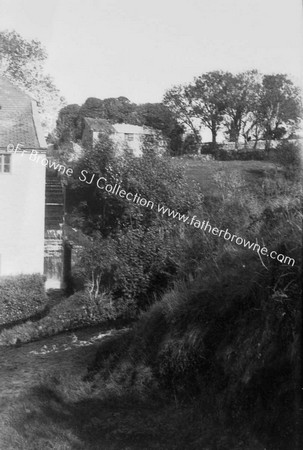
76 311
290 156
240 155
21 296
232 340
229 333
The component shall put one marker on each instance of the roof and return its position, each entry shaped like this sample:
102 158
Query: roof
19 119
132 129
98 125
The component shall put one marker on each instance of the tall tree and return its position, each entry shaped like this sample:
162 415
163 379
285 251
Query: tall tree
180 100
22 62
67 122
242 95
280 106
209 93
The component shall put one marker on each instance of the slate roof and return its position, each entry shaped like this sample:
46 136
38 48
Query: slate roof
132 129
98 124
19 121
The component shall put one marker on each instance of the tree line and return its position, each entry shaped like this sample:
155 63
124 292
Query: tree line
244 106
247 105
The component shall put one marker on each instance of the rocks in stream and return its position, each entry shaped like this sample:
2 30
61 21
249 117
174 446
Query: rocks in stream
75 342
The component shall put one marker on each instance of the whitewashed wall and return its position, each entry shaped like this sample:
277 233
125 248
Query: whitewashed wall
22 203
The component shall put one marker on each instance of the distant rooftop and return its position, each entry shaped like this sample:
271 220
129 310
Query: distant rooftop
132 129
19 120
99 125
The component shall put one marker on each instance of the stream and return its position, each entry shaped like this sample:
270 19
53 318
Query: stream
69 352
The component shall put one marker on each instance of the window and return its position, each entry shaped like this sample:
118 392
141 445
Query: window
149 138
129 136
5 163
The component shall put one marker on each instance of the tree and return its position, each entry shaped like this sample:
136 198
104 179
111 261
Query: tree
280 106
209 99
66 123
180 100
22 62
160 117
115 110
242 97
64 137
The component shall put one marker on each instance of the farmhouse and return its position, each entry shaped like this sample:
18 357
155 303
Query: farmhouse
22 184
124 135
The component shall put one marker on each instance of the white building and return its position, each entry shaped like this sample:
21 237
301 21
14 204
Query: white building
123 134
131 135
22 184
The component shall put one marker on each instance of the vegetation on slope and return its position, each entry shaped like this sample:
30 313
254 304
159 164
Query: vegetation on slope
217 351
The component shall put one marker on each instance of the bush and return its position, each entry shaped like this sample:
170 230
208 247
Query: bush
240 155
230 337
76 311
21 296
230 332
289 155
190 145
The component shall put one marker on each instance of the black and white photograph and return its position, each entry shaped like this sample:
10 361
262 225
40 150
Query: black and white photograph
151 206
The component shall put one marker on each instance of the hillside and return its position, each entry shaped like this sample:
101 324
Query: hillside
205 172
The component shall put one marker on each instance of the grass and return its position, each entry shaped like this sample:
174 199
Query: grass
204 172
65 412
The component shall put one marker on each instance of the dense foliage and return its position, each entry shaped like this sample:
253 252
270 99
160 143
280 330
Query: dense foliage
289 155
227 333
128 249
21 296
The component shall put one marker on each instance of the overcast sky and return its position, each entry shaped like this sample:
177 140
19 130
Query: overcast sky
139 48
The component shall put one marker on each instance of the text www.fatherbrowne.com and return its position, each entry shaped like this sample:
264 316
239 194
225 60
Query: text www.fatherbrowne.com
102 184
205 226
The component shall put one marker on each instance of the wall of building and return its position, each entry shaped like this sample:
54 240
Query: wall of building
122 143
126 136
134 145
22 198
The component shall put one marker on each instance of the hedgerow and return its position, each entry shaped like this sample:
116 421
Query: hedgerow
21 296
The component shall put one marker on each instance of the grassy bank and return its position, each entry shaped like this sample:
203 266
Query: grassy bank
76 311
66 412
205 172
209 366
230 345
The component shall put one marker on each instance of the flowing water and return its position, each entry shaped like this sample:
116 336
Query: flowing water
71 352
